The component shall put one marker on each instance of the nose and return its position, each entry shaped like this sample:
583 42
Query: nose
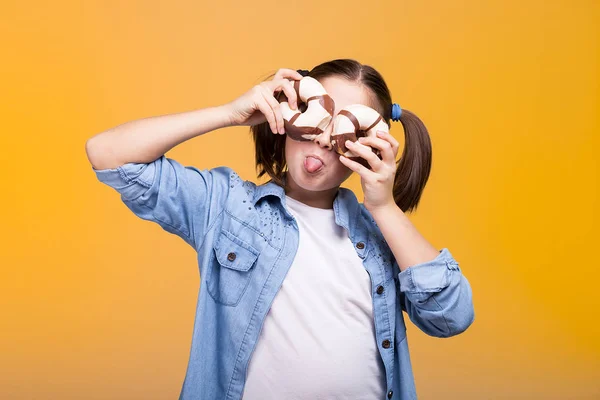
324 139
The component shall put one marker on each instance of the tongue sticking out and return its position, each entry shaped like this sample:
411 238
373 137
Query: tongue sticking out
312 164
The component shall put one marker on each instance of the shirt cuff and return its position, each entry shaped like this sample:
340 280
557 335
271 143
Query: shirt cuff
430 276
130 179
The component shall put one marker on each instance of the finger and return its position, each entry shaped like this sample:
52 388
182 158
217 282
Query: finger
387 152
264 108
274 104
366 153
388 136
289 91
287 73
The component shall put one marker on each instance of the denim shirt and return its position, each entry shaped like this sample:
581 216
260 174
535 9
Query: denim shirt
246 240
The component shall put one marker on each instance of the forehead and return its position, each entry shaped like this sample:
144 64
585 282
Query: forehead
345 92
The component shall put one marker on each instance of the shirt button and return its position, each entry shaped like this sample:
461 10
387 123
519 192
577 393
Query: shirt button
379 289
360 245
390 393
231 256
386 344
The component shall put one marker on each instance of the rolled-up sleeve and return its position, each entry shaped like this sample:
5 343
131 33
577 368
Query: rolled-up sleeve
182 199
436 296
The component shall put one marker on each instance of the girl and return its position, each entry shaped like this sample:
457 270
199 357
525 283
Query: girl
302 287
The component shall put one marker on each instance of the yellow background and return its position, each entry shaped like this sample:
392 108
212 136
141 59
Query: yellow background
98 304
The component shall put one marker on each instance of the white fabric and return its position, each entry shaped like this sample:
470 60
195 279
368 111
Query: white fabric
318 339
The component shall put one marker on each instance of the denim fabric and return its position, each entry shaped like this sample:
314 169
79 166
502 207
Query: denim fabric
246 240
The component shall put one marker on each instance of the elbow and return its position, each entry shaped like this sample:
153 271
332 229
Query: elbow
450 312
445 323
460 322
99 154
459 311
91 153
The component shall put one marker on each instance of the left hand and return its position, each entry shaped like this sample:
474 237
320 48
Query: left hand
377 183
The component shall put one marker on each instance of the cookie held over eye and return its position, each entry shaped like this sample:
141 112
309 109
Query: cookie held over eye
307 125
353 122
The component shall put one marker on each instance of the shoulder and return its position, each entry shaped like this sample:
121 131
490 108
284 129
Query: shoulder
231 187
221 179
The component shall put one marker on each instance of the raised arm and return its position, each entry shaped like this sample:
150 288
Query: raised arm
183 199
146 139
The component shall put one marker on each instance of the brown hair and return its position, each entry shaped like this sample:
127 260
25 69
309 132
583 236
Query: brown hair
414 165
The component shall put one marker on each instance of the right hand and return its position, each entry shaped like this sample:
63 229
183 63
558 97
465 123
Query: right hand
259 104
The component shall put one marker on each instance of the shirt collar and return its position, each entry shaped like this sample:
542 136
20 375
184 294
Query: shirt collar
347 211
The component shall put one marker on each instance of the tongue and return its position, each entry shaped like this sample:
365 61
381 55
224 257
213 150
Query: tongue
312 164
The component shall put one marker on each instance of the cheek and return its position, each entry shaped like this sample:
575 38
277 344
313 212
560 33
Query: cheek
291 146
293 155
340 170
289 149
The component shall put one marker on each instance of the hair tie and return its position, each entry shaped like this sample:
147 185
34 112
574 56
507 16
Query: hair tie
396 112
303 72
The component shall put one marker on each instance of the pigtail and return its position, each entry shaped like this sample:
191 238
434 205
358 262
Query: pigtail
414 165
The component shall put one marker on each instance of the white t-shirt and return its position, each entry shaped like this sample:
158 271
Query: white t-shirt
318 338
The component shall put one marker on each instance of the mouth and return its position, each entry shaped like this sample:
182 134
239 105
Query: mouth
316 157
313 163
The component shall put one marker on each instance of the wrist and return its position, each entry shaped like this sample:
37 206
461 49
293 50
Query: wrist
383 209
225 115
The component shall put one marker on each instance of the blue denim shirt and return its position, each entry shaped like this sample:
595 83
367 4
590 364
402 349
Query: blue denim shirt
246 241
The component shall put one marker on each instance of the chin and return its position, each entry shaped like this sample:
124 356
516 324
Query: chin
325 179
316 187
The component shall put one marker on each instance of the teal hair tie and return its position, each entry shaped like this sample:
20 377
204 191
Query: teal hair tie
396 112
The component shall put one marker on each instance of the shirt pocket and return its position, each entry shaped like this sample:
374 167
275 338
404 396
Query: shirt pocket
230 269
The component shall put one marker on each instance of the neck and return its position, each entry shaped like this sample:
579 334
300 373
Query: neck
319 199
